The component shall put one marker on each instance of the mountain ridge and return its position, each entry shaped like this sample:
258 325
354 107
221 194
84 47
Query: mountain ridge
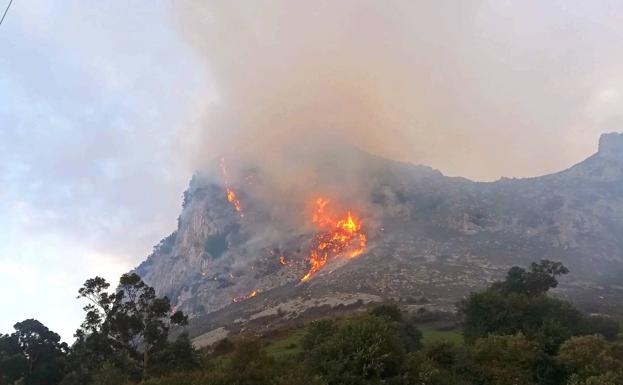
430 236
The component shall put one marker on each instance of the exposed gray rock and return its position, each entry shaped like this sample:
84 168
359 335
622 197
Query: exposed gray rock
430 236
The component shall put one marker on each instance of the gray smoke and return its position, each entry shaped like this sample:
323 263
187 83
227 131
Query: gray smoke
479 89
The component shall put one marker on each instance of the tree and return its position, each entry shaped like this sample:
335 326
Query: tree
409 334
318 332
390 311
519 305
541 277
133 321
421 370
363 349
13 363
589 357
176 356
451 361
250 364
606 326
33 353
503 360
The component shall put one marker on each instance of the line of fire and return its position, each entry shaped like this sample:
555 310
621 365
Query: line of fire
338 236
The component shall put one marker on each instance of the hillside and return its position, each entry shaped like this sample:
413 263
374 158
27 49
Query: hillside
431 239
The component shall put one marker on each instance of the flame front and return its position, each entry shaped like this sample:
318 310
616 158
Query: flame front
229 192
250 295
340 238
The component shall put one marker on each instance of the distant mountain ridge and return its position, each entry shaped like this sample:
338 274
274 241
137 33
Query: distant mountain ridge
432 238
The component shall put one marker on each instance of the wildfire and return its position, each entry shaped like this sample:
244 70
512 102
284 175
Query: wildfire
340 238
282 260
231 194
250 295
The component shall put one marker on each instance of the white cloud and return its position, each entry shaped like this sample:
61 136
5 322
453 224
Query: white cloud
92 101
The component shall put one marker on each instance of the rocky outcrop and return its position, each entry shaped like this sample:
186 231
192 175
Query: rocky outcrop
430 236
611 146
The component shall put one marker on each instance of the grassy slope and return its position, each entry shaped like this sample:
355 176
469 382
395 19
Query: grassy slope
433 332
290 343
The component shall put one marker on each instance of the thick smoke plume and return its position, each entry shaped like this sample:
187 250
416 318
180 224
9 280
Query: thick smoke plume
476 89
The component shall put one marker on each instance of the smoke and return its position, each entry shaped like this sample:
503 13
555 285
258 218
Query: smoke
475 89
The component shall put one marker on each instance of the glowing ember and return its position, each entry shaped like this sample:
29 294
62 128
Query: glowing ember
340 238
250 295
231 194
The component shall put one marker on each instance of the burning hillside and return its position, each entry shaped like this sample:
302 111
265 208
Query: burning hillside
434 237
338 234
339 238
229 191
242 298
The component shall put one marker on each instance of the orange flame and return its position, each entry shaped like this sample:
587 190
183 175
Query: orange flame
282 260
250 295
341 238
231 194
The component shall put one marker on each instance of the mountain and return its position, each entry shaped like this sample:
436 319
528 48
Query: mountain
430 238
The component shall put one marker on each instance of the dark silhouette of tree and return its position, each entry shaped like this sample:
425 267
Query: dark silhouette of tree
409 334
32 353
519 304
132 323
13 363
538 280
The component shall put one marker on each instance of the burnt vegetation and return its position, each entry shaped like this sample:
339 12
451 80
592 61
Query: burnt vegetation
514 332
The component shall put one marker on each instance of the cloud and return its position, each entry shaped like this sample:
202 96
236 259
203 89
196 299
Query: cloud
92 161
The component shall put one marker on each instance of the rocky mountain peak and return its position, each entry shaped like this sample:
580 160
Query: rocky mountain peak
611 146
428 236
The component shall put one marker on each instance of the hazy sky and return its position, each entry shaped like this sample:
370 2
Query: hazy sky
106 107
93 99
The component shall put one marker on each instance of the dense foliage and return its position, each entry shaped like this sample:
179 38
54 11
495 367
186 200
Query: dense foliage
32 354
514 334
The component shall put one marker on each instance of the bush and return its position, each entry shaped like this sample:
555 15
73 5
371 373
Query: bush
590 356
606 326
317 333
364 348
409 334
420 370
503 360
249 364
391 311
538 317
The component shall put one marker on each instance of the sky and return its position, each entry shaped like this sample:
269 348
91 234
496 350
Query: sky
107 108
93 103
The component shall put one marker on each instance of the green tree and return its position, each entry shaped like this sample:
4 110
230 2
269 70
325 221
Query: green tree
421 370
409 334
439 363
317 333
520 305
504 360
132 322
539 279
249 364
603 325
363 349
587 358
32 353
13 362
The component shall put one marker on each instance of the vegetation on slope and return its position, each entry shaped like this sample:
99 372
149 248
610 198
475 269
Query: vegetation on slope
513 333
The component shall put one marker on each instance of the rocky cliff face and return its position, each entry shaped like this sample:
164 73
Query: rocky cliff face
431 238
